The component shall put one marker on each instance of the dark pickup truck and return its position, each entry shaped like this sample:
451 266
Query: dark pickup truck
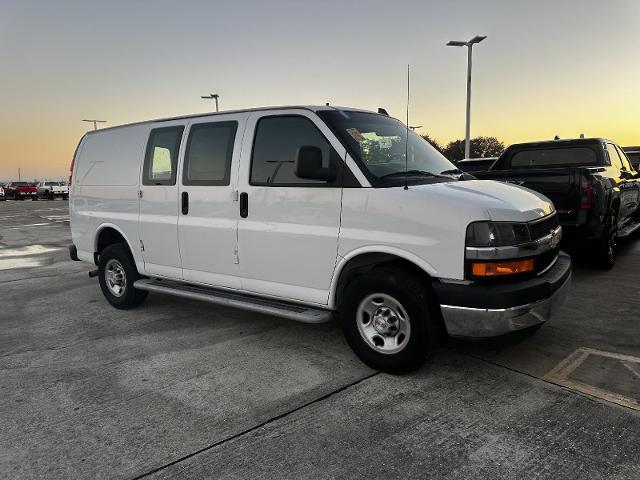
591 182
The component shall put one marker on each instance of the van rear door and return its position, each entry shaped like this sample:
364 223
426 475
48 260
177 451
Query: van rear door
208 220
158 206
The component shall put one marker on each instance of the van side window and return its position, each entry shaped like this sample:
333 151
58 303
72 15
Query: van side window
161 159
207 159
275 146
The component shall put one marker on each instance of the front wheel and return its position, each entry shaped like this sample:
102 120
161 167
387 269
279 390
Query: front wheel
117 273
389 321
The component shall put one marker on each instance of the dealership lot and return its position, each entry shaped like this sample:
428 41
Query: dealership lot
178 388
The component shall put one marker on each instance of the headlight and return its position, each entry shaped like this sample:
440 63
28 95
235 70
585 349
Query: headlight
497 234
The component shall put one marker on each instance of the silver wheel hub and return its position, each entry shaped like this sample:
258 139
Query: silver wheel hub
115 277
383 323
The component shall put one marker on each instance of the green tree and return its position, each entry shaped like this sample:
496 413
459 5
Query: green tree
481 147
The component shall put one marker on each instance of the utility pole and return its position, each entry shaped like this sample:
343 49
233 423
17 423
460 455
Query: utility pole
95 122
213 96
18 174
469 45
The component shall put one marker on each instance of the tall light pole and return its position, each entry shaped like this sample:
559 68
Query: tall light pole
469 45
215 96
95 122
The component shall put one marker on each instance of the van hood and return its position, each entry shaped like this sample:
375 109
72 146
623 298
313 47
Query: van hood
502 202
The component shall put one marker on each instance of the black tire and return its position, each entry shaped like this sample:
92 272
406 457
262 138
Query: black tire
606 246
118 254
413 297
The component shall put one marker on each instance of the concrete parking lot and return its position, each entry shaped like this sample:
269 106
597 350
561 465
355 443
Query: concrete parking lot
183 389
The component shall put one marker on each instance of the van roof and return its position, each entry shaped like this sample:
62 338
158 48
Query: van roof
313 108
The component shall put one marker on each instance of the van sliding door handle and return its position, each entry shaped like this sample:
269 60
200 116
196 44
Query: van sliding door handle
185 203
244 204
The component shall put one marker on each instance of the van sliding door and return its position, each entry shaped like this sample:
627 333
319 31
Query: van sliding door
208 215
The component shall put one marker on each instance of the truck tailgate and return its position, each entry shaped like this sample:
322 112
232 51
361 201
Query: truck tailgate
560 185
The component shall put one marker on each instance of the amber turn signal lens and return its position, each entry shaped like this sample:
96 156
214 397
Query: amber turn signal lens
494 269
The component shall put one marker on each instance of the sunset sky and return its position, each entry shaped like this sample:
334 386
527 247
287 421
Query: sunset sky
547 67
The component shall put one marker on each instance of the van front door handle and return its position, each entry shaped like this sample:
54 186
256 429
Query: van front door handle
244 204
185 203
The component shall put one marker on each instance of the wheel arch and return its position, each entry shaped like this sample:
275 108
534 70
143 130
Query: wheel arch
365 259
108 234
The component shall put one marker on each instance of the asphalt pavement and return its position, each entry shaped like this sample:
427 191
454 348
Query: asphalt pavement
181 389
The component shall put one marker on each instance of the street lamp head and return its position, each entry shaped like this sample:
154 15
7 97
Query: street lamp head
477 39
456 43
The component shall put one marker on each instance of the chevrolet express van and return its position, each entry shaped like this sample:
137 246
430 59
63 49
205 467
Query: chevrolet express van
301 212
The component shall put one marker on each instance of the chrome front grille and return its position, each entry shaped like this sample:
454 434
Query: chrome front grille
544 226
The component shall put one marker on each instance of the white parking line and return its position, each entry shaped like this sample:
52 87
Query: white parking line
26 251
31 225
55 218
11 263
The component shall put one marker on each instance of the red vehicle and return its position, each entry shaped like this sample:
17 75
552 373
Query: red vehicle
21 190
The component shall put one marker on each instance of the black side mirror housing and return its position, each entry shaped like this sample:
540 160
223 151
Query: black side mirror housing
308 165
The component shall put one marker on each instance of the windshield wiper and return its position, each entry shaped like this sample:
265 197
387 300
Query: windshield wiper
453 171
421 173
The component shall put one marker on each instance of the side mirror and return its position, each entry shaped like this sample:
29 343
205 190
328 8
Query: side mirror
308 165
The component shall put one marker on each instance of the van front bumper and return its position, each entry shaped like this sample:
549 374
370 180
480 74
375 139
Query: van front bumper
482 310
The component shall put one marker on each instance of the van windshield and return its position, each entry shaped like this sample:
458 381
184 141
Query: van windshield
379 143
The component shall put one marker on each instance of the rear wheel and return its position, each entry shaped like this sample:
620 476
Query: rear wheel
117 273
606 246
388 320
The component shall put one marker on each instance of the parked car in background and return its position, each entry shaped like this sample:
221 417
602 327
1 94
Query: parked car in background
470 165
302 211
2 194
51 190
633 154
591 182
21 190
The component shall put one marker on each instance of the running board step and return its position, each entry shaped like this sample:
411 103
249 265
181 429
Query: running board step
625 232
276 308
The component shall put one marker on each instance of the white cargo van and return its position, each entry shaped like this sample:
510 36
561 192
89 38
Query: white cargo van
300 212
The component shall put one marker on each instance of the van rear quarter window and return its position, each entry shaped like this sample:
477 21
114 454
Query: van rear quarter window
111 157
554 157
161 158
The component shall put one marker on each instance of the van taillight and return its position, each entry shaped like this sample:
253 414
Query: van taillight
586 193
